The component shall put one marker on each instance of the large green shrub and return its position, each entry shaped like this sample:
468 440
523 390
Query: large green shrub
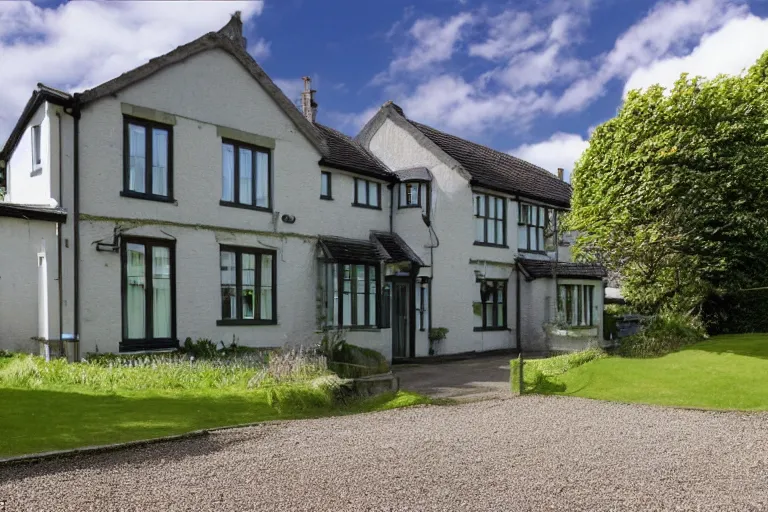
663 333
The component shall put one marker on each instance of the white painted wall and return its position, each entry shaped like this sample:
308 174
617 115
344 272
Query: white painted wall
22 240
29 183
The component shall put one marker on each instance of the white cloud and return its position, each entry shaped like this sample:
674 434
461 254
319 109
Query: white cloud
664 30
434 41
260 50
291 87
81 44
730 50
508 33
560 150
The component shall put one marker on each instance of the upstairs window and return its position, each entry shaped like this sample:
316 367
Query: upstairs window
574 304
245 176
37 157
413 194
325 185
490 220
148 153
367 194
532 222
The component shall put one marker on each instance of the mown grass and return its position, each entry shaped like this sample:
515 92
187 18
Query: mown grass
54 406
725 372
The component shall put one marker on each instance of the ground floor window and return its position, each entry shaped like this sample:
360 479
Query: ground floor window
148 291
422 304
490 311
574 304
350 294
248 292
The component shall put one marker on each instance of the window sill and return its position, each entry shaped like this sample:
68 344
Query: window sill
147 345
491 329
326 198
361 205
246 322
404 207
147 197
245 206
37 171
486 244
529 251
361 328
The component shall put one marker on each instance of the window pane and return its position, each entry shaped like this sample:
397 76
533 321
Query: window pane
335 299
542 216
491 228
522 237
137 157
425 314
227 172
362 192
135 298
228 282
262 180
423 192
540 238
480 205
161 292
36 143
347 295
373 194
160 162
246 176
523 214
325 189
403 194
479 229
265 299
499 208
248 262
532 238
500 232
372 289
360 290
492 208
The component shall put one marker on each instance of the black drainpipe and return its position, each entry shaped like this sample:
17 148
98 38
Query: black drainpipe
58 239
517 311
391 187
76 218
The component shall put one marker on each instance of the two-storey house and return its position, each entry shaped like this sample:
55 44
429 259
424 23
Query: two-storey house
190 198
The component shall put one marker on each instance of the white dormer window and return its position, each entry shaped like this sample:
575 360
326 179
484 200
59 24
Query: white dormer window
37 157
413 194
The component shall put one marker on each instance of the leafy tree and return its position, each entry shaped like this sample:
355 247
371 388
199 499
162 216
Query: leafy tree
672 194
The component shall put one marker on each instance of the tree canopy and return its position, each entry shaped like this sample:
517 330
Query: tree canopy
672 193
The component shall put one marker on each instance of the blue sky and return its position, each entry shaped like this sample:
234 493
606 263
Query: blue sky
532 77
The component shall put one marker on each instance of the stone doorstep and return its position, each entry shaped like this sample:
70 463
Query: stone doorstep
374 385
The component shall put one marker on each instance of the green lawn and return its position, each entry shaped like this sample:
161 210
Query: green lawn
725 372
56 406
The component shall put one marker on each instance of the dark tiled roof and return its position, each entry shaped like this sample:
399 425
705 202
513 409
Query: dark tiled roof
414 173
500 171
350 249
33 212
395 247
543 268
347 154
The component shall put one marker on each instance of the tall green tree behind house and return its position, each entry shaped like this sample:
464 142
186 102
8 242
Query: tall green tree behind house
672 194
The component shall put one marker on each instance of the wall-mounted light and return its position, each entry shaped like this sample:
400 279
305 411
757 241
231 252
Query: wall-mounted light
288 219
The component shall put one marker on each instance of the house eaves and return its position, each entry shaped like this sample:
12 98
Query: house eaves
33 212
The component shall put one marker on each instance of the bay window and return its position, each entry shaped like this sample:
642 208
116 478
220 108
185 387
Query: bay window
148 294
574 304
248 286
349 294
245 176
413 194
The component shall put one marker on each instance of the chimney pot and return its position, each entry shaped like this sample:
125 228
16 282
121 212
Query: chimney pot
560 173
308 104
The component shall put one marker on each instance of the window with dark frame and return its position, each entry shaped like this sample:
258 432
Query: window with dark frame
574 304
246 176
37 157
413 194
326 192
148 159
422 305
490 220
533 223
148 293
350 294
367 194
492 308
248 286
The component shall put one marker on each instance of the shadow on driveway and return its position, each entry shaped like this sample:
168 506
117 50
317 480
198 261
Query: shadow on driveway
475 379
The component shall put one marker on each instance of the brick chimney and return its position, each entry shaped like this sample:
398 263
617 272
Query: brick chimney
308 104
560 173
234 30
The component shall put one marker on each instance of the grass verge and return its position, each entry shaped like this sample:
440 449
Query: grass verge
724 372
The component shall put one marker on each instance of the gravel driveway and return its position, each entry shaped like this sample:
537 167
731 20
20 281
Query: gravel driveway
528 453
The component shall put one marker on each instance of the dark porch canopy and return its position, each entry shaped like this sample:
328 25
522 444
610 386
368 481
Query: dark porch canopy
534 269
382 246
